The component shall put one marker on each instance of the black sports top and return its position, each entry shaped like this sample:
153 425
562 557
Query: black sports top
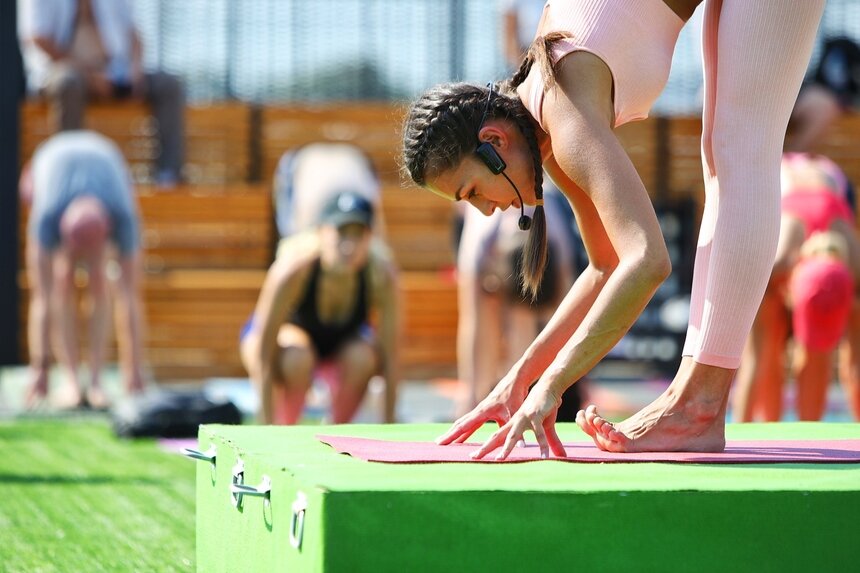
328 337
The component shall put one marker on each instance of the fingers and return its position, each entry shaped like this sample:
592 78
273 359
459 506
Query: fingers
496 440
467 425
461 430
555 444
543 444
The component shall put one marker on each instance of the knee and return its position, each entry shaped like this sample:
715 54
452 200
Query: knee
359 358
297 366
730 151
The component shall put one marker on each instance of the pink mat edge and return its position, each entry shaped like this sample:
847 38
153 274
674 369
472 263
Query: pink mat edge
357 447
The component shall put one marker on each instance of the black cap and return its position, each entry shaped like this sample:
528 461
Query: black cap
345 208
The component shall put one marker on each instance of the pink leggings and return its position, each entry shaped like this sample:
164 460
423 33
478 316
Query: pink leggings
755 55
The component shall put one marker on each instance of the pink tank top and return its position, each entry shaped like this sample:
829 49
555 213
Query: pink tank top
634 38
817 208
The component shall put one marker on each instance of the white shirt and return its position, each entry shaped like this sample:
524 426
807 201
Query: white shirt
307 178
73 164
55 19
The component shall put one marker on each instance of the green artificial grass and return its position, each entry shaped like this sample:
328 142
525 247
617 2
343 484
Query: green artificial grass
75 498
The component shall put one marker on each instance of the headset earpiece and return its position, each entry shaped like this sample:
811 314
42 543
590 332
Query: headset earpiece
491 158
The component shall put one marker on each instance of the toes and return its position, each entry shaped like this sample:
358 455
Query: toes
583 423
603 426
591 416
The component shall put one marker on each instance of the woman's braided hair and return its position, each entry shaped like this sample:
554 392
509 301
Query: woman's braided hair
441 129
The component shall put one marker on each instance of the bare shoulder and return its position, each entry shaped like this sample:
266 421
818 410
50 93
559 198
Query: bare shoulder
582 92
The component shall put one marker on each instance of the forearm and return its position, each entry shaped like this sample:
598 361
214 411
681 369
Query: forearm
64 311
262 374
259 377
560 328
266 412
390 333
98 333
129 329
38 333
391 373
617 306
130 321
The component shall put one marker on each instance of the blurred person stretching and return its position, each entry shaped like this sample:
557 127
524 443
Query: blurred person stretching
83 214
811 298
76 50
314 312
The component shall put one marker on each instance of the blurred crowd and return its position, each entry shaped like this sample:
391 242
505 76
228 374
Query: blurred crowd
329 306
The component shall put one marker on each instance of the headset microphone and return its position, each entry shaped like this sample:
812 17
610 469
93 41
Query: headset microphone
496 164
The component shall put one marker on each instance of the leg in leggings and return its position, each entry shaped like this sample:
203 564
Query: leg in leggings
755 55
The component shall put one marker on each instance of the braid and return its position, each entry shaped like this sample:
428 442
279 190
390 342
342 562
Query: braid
440 128
535 255
539 52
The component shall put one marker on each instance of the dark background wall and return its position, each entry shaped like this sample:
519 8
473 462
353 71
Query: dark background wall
11 84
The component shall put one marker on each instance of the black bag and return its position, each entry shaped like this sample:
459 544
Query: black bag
170 414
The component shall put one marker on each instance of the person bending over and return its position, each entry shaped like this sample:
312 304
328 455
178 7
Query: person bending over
596 65
810 299
83 214
314 310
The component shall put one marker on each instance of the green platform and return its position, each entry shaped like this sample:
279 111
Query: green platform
365 516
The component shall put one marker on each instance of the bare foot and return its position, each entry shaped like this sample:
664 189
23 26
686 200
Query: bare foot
69 397
689 416
97 399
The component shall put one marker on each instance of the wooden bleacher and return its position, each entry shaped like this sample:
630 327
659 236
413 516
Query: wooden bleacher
217 138
207 245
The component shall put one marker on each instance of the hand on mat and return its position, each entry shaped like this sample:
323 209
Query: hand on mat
37 390
505 398
537 414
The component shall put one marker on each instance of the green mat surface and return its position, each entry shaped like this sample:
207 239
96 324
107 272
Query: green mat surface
365 516
74 498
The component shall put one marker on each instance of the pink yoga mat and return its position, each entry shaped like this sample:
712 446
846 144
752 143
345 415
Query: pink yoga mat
739 452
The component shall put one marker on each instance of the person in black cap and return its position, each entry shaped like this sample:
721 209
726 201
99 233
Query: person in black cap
314 312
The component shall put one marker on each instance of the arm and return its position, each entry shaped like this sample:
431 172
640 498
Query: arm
99 314
791 237
281 292
849 233
130 321
386 297
40 276
64 311
627 253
